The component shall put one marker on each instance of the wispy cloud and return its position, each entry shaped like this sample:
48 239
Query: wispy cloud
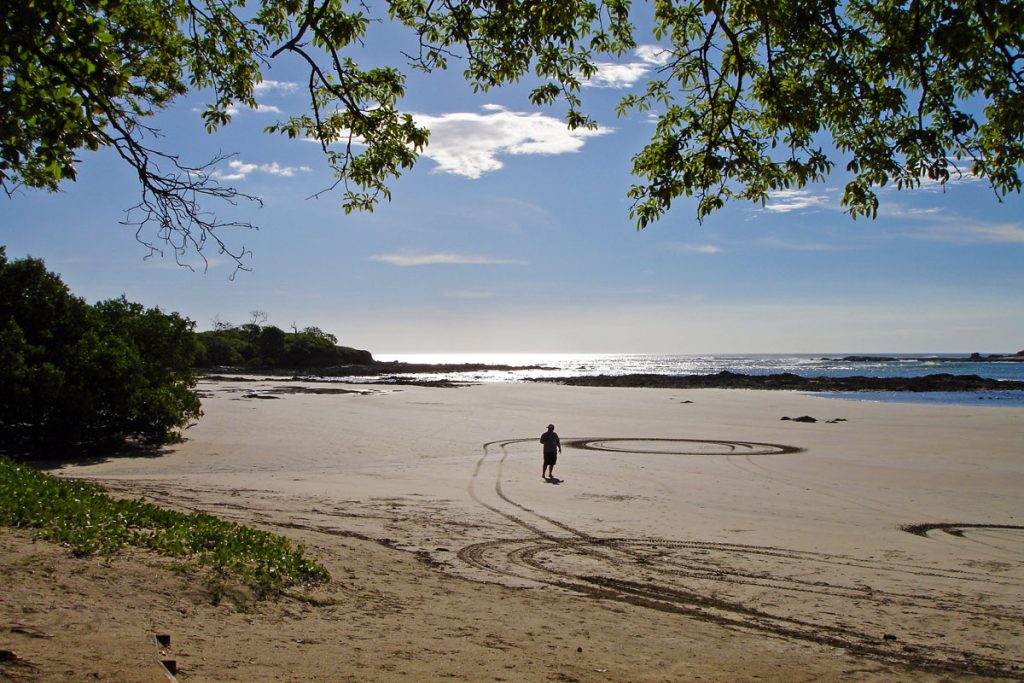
689 298
626 75
956 177
698 248
405 259
193 261
776 242
274 86
239 170
785 201
965 233
468 294
469 144
934 224
891 210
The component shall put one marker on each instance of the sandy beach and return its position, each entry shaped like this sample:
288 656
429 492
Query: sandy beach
692 535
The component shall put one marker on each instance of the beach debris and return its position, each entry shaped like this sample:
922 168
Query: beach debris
168 666
889 637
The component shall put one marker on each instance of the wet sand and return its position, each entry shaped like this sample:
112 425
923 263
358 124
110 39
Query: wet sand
692 535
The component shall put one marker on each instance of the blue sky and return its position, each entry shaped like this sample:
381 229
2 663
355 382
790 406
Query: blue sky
512 234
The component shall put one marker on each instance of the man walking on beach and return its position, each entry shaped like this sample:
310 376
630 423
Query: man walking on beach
552 447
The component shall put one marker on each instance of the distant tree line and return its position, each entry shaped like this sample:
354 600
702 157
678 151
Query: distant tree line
253 345
74 373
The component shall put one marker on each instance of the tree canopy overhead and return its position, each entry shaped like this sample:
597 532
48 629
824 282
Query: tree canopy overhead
755 96
753 87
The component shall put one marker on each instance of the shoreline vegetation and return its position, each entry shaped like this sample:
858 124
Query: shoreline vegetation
84 518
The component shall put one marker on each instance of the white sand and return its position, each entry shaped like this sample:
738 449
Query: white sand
681 514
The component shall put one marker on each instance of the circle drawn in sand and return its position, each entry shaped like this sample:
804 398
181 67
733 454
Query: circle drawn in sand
836 600
656 446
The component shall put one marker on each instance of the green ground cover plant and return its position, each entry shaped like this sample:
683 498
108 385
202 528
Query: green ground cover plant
89 521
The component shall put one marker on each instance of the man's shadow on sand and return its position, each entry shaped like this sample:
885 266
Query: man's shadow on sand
553 480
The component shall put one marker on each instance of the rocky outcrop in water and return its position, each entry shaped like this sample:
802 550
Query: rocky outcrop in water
973 358
791 382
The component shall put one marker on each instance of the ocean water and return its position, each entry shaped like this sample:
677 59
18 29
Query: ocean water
809 365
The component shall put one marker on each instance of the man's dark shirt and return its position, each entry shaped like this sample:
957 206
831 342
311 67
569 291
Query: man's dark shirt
550 441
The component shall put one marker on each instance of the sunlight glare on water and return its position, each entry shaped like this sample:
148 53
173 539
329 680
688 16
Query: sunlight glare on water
548 365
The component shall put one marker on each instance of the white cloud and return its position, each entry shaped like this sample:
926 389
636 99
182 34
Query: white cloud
440 258
784 201
469 144
469 294
277 86
653 54
612 75
239 170
235 110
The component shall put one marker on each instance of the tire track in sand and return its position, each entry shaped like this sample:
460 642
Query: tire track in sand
744 586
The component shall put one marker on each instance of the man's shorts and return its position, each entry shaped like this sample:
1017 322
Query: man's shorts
550 458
